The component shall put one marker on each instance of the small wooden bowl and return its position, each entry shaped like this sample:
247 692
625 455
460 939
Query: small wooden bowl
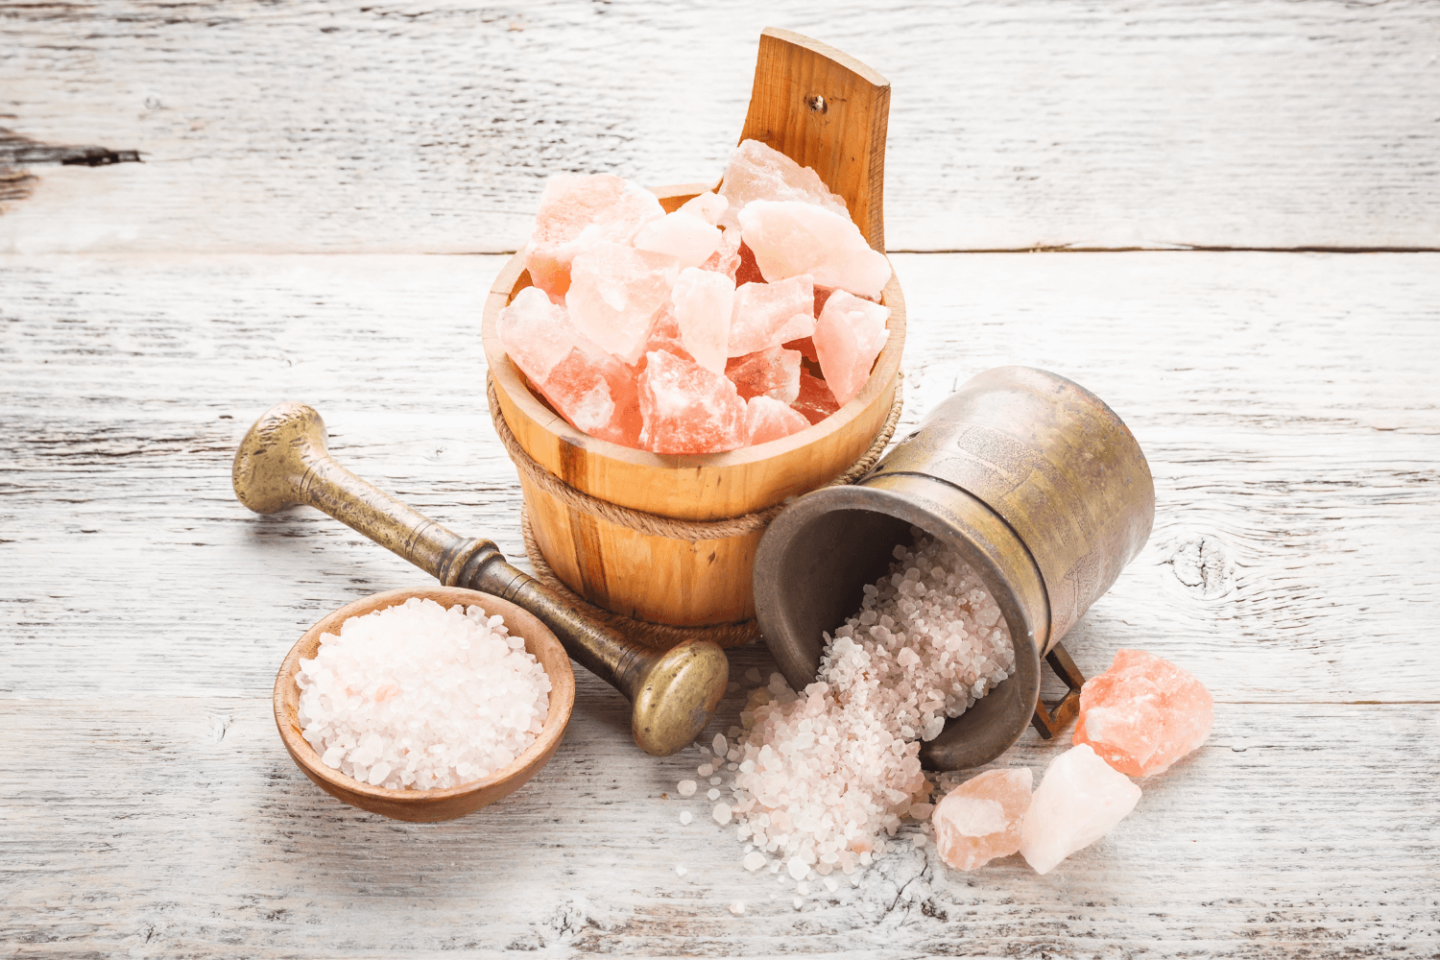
426 806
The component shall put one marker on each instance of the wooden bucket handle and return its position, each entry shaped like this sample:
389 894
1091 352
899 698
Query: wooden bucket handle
826 110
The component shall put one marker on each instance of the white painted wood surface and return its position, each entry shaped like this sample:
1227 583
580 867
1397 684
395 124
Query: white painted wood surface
149 312
352 125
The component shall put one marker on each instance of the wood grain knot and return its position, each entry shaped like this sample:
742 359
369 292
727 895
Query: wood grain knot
1202 564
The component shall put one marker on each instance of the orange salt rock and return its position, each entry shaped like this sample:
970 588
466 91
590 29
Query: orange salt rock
703 302
981 819
578 210
768 314
688 409
848 338
767 419
815 401
774 373
665 335
1143 714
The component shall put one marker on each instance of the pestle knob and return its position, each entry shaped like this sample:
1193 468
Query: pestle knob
283 461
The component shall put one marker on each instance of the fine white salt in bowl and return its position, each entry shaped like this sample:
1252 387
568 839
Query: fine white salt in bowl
450 802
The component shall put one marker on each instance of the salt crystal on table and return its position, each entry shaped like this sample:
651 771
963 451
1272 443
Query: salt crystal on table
719 745
686 788
703 302
680 871
848 337
686 817
754 861
774 373
760 172
767 419
1079 799
1143 714
712 794
577 211
737 908
980 819
721 813
814 402
768 314
790 239
615 291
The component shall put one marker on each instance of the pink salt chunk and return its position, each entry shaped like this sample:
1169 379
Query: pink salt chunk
848 337
683 235
768 314
760 172
774 373
585 385
665 335
726 258
688 409
822 294
1079 800
1143 714
709 207
815 401
747 271
703 302
767 419
576 211
980 819
791 238
615 292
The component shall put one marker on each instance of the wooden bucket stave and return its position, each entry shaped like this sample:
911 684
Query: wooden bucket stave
687 582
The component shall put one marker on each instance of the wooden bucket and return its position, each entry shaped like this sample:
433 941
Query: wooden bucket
827 111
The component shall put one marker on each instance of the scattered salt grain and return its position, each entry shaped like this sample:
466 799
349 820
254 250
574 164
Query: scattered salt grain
418 696
705 769
721 813
715 781
680 871
737 908
712 794
802 888
799 903
685 817
831 884
686 788
754 861
718 744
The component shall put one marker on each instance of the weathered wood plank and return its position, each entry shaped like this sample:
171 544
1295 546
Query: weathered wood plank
1286 405
407 127
175 826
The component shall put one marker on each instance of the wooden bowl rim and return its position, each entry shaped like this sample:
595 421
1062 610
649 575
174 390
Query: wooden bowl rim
557 717
513 384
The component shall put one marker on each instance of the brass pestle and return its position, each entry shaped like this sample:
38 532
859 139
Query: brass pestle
283 461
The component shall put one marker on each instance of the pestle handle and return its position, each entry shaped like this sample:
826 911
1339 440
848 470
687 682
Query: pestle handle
283 461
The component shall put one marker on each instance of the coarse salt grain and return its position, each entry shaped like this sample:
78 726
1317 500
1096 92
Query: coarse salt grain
827 774
686 788
686 817
737 908
418 696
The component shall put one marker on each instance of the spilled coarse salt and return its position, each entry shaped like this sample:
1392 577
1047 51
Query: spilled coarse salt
686 816
738 907
825 776
686 788
416 696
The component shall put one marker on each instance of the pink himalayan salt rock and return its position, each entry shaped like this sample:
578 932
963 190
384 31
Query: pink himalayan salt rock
726 258
980 819
615 291
768 314
577 211
767 419
589 388
822 295
759 172
848 337
665 335
1143 714
1078 801
791 238
707 206
774 373
688 409
683 235
815 402
703 302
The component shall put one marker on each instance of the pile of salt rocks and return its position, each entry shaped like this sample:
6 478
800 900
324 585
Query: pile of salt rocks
685 332
822 779
422 697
